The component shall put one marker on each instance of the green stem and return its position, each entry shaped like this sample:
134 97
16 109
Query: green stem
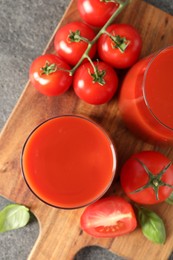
92 64
122 5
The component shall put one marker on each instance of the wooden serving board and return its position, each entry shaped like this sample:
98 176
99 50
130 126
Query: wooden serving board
60 234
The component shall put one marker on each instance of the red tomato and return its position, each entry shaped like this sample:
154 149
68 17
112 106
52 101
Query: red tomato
108 217
95 87
68 42
122 47
46 76
134 176
96 12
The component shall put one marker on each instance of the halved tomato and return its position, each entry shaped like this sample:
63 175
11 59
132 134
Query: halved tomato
108 217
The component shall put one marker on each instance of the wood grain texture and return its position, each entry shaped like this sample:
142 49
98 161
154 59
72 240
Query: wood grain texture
60 234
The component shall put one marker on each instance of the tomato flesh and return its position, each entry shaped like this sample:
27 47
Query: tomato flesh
109 217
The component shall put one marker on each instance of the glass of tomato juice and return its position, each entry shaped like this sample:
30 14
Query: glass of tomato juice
68 161
146 97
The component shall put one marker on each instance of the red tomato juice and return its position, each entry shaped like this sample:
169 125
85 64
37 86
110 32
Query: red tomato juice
68 161
146 97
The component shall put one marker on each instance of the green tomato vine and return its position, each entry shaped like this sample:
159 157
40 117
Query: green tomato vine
122 5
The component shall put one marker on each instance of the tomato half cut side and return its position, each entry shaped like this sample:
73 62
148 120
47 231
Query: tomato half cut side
108 217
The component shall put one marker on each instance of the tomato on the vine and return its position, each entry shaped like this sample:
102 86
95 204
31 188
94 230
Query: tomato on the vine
47 75
71 41
147 177
109 217
95 83
96 12
120 45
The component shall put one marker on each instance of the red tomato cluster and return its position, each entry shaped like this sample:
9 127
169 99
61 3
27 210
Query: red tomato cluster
94 79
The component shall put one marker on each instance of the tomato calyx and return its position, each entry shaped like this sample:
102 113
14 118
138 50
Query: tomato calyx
118 42
155 181
48 68
76 37
97 75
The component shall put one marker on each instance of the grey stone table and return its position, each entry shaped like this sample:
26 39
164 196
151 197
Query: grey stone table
25 28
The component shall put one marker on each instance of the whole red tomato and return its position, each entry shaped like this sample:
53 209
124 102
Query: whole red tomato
120 46
95 85
47 76
147 177
71 41
96 12
108 217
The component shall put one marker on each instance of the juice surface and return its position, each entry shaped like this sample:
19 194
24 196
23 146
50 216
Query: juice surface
68 162
159 87
146 95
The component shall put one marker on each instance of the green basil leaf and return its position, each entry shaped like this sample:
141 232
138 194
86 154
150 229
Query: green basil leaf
152 225
13 216
170 199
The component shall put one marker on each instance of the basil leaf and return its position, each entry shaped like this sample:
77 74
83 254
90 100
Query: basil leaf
170 199
152 225
13 216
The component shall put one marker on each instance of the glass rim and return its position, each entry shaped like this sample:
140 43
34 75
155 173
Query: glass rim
113 151
155 55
